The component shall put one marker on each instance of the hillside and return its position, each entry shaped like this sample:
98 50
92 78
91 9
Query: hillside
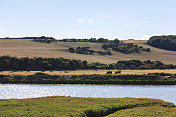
135 41
167 42
26 48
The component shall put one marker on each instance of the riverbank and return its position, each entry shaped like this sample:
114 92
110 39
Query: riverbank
90 72
89 79
90 107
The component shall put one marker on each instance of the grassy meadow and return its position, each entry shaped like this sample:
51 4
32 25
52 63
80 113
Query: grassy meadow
90 72
85 107
26 48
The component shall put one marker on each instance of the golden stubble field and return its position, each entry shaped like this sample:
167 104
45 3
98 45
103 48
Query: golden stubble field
90 72
26 48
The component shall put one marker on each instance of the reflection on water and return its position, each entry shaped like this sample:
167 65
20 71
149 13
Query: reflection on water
166 93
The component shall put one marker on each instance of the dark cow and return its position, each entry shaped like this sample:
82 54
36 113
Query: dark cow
109 72
118 72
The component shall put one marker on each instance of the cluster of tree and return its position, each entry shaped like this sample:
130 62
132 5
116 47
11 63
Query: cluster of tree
87 51
128 48
8 63
42 37
82 50
104 52
115 45
44 40
137 64
163 42
132 64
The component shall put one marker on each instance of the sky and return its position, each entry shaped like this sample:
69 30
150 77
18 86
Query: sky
122 19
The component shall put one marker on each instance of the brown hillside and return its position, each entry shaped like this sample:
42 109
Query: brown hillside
135 41
26 48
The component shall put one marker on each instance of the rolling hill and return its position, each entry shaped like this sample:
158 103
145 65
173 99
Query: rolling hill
166 42
26 48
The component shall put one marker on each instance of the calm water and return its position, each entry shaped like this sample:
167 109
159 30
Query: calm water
166 93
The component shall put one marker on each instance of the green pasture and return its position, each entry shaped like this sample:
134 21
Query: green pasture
85 107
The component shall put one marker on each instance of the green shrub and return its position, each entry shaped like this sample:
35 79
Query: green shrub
161 74
163 42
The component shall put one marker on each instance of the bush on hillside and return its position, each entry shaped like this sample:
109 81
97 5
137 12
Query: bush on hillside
87 51
163 42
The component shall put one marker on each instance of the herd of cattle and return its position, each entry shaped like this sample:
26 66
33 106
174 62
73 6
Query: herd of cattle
108 72
116 72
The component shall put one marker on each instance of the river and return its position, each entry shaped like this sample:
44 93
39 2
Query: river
21 91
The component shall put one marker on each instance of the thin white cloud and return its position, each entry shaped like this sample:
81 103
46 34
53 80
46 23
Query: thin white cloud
143 22
80 20
136 23
127 25
108 16
1 28
90 20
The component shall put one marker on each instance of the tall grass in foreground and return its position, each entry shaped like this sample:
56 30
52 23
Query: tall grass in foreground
79 107
151 111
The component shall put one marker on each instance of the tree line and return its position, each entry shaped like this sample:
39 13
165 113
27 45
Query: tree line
8 63
93 40
41 37
163 42
133 65
47 40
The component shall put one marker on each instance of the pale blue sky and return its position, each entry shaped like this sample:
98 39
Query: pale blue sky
111 19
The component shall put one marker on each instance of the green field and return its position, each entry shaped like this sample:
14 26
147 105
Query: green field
82 107
26 48
151 111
